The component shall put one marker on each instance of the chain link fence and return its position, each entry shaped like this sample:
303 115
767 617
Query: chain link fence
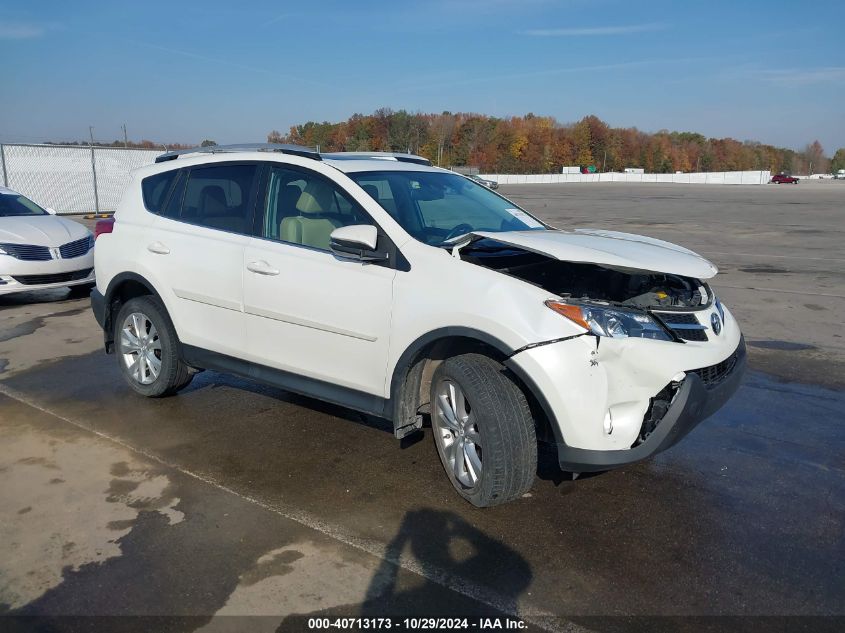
71 178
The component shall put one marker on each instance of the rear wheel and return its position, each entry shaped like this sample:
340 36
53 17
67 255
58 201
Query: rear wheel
148 349
483 430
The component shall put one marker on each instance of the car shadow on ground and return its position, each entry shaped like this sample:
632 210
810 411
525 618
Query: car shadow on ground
488 576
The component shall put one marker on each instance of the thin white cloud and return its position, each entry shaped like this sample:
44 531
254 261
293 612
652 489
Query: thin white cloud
20 31
805 76
550 72
595 30
225 62
279 18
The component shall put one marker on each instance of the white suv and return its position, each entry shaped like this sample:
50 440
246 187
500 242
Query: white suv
398 289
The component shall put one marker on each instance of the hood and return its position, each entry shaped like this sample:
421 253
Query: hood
608 248
42 230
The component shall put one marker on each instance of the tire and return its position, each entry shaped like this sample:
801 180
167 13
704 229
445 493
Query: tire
148 377
492 432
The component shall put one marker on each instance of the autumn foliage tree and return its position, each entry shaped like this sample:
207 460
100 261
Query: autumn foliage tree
838 160
539 144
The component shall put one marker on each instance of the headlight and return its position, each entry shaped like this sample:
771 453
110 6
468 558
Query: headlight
611 321
3 252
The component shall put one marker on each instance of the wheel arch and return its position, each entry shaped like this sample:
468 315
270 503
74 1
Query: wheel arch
122 288
411 377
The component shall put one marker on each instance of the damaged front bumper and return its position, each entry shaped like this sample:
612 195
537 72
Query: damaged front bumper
700 395
614 401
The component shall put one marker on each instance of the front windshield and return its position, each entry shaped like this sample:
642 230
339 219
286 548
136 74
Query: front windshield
437 207
15 204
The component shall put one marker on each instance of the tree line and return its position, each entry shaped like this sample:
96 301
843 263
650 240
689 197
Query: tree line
540 144
143 144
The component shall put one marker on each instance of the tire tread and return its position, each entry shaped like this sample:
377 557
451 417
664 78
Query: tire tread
509 438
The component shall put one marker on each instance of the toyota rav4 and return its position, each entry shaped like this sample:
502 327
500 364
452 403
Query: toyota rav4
383 284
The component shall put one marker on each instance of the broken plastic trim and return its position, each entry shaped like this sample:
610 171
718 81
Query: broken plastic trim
658 407
554 340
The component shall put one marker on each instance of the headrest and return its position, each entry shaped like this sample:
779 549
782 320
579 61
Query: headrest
286 200
213 201
318 197
372 190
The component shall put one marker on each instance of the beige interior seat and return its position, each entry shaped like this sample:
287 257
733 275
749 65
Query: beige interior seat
311 227
215 212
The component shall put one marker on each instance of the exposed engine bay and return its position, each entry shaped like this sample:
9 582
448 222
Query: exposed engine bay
591 282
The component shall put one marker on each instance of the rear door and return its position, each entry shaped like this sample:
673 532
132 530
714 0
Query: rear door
307 311
196 248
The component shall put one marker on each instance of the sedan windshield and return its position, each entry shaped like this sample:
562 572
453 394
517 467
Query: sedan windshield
15 204
436 208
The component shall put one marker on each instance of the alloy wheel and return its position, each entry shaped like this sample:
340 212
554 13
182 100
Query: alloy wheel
140 348
457 434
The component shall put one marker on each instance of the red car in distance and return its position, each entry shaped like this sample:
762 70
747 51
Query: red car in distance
783 179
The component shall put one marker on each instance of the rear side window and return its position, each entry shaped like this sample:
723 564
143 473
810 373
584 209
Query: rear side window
174 203
219 197
155 189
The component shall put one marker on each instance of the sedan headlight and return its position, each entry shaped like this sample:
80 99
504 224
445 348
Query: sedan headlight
611 321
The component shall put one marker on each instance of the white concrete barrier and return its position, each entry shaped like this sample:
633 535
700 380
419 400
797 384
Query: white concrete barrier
695 178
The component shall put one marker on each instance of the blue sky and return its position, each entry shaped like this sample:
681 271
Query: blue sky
232 71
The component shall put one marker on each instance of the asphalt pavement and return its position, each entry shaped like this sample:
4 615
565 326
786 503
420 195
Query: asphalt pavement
235 499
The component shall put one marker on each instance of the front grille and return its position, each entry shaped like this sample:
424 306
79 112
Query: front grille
713 376
684 324
33 280
75 249
28 252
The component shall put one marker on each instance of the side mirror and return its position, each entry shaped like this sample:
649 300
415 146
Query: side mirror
50 211
358 242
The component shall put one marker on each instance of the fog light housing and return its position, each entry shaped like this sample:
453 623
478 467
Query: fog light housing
608 423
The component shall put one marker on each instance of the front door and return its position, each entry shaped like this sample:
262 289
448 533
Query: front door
307 311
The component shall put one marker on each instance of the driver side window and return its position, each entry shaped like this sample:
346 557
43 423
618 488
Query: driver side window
304 208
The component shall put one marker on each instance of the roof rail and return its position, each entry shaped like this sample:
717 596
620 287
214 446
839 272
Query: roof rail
296 150
398 156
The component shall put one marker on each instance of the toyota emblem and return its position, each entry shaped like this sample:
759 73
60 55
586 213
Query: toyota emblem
716 323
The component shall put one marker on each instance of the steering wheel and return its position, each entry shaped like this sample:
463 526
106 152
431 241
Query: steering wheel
458 230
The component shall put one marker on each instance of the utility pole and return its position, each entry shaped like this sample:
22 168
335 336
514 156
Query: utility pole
125 138
94 170
604 162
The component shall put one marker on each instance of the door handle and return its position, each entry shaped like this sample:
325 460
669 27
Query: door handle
262 268
158 248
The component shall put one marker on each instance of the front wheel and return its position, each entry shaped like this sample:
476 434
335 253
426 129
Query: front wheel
148 349
483 430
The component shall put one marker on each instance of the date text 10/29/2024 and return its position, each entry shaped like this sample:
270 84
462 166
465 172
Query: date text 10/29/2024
415 624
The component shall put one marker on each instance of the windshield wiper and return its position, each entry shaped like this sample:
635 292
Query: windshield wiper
453 240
